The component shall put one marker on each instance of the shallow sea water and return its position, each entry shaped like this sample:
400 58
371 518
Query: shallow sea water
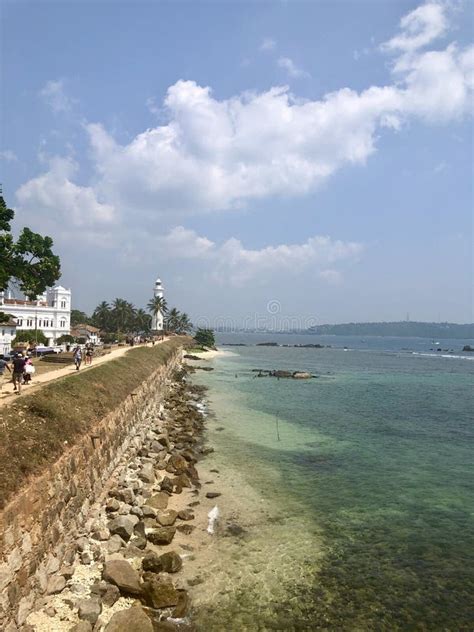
355 490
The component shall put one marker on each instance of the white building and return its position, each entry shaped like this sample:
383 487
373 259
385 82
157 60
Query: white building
7 334
157 322
49 313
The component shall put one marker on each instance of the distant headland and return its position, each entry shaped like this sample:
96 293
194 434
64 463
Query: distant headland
402 329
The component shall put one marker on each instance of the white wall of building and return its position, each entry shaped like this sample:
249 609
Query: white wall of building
50 313
157 322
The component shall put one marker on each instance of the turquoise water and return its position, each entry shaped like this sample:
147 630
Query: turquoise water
376 454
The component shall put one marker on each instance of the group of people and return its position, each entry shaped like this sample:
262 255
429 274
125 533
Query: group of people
21 370
78 354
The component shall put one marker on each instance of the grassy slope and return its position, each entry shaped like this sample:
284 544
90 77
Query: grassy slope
35 430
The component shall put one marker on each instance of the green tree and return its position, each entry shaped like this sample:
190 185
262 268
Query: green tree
28 262
142 321
65 339
123 314
102 316
205 337
157 304
31 337
184 324
79 318
172 320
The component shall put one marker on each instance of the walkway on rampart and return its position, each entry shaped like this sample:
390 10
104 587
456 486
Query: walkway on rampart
8 395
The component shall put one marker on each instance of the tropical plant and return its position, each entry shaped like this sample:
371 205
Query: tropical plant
184 324
205 337
79 318
102 316
123 314
30 336
157 304
65 339
142 321
28 262
172 320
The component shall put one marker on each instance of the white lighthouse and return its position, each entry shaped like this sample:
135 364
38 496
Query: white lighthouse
157 320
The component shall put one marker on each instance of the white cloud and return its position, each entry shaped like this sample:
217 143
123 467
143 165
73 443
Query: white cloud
232 262
268 44
291 68
54 95
419 28
214 155
56 196
8 155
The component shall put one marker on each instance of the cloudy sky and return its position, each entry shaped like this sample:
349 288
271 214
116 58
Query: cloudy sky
306 159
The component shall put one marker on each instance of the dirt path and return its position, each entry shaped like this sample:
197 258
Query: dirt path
8 395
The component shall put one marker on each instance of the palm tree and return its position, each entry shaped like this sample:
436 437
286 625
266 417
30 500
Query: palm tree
172 319
157 304
101 316
184 324
123 314
142 320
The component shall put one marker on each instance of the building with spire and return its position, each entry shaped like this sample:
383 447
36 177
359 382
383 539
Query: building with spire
157 322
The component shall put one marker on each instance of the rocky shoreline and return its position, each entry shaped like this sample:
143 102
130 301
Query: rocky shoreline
124 573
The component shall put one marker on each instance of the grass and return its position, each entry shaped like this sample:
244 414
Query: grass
37 429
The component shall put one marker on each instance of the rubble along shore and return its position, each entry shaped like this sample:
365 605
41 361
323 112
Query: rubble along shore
124 573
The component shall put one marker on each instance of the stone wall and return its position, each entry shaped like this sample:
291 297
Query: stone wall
39 526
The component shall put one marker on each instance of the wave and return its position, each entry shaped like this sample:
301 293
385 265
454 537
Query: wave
443 355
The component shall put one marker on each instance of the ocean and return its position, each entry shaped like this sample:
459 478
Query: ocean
353 491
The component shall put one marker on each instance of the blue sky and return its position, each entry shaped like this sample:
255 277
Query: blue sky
313 154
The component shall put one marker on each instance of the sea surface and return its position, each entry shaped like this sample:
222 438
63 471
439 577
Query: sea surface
368 473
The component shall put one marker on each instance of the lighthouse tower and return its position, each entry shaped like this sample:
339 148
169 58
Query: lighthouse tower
157 319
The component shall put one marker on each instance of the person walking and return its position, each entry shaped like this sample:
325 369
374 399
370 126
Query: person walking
89 354
18 369
3 366
77 355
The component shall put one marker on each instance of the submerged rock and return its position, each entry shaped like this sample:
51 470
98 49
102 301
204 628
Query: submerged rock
159 591
169 562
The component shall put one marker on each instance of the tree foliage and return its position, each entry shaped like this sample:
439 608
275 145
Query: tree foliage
65 339
30 336
205 337
79 318
28 262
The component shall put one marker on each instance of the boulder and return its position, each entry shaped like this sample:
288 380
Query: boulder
164 535
302 375
82 626
123 575
133 619
115 544
169 562
166 518
166 485
123 526
186 514
178 462
89 610
147 473
187 528
213 494
157 501
158 591
56 584
183 606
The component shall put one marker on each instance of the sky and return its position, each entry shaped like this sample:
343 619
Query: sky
276 163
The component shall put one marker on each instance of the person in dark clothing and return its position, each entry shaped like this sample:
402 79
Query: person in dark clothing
18 369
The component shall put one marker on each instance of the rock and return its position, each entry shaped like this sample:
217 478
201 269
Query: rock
112 505
186 514
89 610
126 495
158 591
139 529
166 485
124 509
169 562
163 439
101 534
213 494
301 375
187 529
115 544
87 557
166 518
147 474
111 595
137 511
138 542
82 626
178 462
66 571
123 526
235 529
157 501
282 373
468 348
182 480
56 584
123 575
164 535
82 544
183 606
148 512
133 619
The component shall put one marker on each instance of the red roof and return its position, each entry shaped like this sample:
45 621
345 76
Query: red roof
19 301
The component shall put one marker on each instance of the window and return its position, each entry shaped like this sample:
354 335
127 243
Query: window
39 322
63 304
3 332
29 322
12 332
63 323
19 322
